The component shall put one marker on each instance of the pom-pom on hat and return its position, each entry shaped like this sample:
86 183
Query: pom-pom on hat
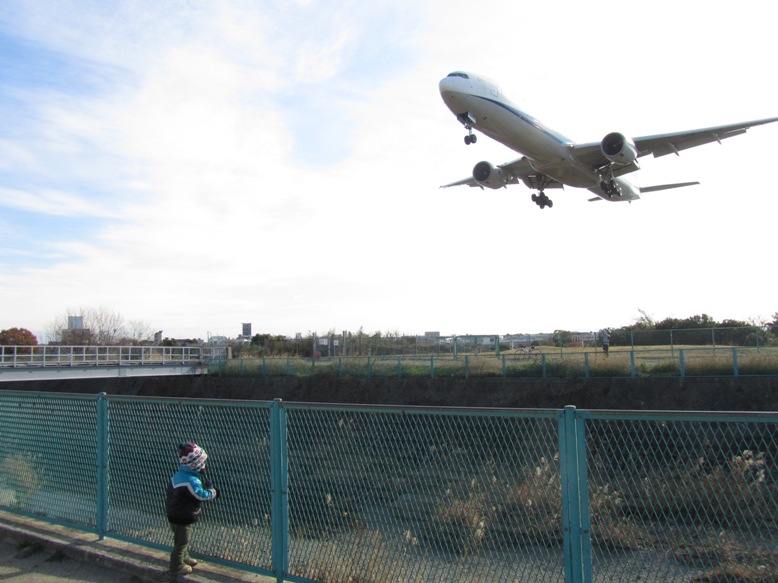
192 456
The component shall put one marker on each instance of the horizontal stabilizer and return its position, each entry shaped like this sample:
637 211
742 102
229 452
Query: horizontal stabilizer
666 186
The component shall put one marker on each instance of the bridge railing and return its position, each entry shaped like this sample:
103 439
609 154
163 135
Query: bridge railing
64 356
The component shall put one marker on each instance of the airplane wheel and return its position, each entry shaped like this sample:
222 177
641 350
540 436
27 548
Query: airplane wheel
467 140
534 198
473 139
550 203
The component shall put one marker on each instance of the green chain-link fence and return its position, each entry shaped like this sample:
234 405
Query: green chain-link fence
619 363
351 493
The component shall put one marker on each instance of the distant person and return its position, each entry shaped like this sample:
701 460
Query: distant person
606 341
187 490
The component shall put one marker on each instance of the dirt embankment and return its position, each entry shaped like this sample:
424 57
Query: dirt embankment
698 394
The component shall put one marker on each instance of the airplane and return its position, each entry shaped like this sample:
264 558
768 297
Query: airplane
549 159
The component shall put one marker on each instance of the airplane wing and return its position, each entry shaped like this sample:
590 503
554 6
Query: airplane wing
663 144
518 170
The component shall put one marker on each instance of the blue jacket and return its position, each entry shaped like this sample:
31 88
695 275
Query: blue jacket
185 493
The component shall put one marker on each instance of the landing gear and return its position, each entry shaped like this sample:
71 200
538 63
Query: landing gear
542 200
610 187
608 182
468 121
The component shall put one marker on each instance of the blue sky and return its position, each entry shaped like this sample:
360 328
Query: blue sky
197 165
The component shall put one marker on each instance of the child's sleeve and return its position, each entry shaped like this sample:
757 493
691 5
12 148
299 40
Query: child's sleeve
197 490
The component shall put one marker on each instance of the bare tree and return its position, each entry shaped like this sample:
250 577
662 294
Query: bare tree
107 326
139 331
100 325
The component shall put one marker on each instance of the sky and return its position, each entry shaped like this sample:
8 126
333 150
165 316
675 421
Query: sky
200 164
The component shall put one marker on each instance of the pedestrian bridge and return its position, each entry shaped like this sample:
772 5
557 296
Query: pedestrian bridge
38 363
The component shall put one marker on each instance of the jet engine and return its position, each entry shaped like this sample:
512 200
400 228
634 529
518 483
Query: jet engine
487 175
619 149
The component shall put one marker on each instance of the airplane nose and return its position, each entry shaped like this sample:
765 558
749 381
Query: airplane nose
446 84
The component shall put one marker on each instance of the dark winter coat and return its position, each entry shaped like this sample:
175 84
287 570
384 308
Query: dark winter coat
185 493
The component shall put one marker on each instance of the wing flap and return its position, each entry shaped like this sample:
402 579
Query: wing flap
666 186
465 181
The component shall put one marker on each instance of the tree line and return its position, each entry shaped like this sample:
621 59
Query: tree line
697 329
103 327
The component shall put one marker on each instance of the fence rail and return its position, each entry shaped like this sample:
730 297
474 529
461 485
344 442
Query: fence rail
354 493
675 362
62 356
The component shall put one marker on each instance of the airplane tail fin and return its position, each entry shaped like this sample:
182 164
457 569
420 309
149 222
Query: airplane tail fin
666 186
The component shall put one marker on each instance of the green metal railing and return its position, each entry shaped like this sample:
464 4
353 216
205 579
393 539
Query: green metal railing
352 493
671 362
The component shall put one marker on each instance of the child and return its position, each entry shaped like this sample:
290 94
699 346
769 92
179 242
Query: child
185 493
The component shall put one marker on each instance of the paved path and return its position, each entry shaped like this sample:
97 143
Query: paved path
32 551
33 563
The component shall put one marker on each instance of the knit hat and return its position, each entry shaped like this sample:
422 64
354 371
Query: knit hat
192 456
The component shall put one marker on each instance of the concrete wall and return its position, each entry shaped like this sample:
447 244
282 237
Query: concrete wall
709 394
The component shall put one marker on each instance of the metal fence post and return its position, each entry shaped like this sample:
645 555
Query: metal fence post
632 371
682 363
586 365
279 500
735 368
102 465
575 499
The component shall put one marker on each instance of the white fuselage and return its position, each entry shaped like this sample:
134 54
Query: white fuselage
478 102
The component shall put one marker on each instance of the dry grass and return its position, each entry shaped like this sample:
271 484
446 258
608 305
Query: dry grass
362 557
22 475
650 361
723 558
736 493
611 527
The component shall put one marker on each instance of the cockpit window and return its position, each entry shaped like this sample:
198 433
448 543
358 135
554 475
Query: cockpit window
459 74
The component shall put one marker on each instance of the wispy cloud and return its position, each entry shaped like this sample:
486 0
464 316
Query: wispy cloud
53 202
